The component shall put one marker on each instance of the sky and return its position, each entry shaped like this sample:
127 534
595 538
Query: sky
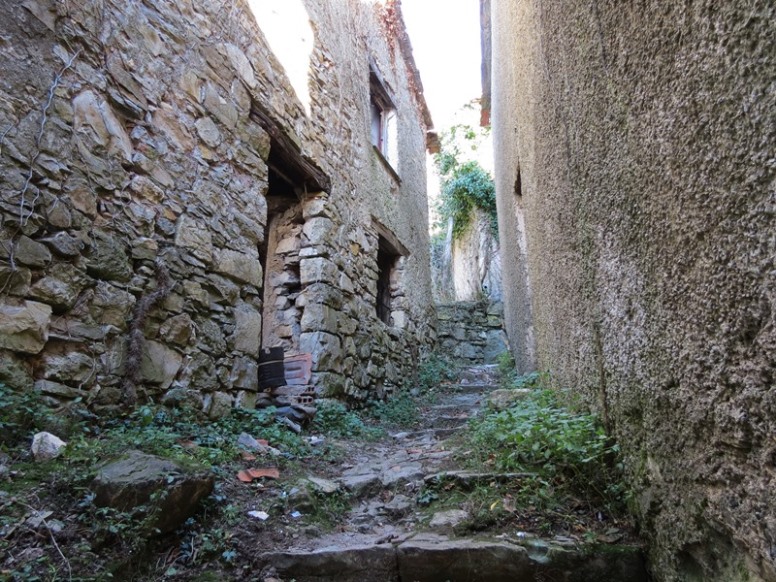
445 36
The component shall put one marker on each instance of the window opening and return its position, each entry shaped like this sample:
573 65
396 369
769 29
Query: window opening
386 263
389 252
383 120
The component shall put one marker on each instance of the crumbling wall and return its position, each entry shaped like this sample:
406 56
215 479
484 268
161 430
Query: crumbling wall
635 168
134 172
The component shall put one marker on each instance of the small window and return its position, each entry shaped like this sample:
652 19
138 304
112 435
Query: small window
386 263
389 276
383 121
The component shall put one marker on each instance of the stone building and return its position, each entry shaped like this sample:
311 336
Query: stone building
183 184
637 192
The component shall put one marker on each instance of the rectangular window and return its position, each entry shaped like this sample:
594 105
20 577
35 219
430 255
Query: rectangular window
390 268
383 121
386 262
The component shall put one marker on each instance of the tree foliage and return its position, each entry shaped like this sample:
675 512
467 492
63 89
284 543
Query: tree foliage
466 185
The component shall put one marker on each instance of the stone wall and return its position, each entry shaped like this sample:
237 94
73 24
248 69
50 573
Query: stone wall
167 192
636 170
471 332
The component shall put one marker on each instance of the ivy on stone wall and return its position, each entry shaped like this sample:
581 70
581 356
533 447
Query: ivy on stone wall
465 184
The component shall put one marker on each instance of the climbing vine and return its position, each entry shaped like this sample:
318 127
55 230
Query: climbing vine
465 184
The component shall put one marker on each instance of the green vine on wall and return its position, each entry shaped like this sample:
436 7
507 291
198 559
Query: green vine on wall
465 184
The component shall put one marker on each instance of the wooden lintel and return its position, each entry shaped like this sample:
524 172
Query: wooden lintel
286 157
395 246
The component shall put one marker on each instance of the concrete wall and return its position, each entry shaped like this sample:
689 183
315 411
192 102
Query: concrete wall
643 136
134 155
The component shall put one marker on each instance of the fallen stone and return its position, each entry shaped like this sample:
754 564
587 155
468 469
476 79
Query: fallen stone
449 519
182 398
46 446
399 506
24 327
506 398
323 485
360 485
221 405
136 479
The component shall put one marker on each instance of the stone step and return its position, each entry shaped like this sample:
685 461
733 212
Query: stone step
433 558
448 421
470 388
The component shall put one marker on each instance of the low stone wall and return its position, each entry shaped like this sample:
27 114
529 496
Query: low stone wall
471 331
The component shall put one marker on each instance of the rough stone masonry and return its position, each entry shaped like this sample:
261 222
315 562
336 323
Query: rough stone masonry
171 202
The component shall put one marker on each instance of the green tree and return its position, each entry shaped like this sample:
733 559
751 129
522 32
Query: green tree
465 184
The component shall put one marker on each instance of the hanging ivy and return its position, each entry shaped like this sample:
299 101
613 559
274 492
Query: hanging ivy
465 185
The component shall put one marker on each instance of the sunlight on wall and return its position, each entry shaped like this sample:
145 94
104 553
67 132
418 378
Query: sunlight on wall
286 26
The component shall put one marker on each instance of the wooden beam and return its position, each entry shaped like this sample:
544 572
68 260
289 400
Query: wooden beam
286 158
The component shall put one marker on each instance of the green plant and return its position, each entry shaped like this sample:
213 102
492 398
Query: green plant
434 370
333 418
466 185
569 449
183 435
506 363
401 409
21 413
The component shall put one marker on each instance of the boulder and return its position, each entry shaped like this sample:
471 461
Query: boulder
46 446
170 491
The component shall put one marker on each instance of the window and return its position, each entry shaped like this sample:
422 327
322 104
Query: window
386 262
388 304
383 120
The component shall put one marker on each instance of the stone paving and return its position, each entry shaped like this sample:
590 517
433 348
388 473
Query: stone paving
385 537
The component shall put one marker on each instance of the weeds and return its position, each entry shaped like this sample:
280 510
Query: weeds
400 410
568 451
333 418
434 371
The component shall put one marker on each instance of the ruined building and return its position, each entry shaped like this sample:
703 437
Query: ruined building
637 194
183 184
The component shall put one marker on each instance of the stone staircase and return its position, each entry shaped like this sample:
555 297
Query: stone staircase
386 537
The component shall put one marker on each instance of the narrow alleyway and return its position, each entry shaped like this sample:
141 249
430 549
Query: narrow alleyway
396 527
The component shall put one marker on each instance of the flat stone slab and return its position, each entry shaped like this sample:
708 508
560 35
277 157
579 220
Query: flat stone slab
356 564
449 518
439 560
435 558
